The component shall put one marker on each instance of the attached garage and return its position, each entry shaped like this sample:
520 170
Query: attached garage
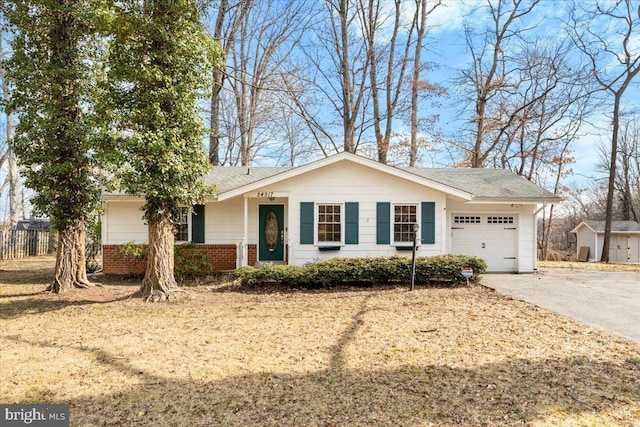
493 237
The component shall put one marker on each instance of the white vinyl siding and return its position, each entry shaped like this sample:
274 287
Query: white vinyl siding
122 223
349 182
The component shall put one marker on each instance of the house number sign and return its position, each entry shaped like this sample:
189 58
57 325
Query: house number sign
264 194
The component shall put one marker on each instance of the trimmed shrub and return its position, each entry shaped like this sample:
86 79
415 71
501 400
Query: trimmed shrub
441 270
291 276
188 261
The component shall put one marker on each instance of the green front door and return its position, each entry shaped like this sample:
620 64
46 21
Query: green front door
271 233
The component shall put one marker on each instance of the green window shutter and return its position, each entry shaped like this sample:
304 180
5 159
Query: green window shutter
351 223
306 223
383 223
197 224
428 225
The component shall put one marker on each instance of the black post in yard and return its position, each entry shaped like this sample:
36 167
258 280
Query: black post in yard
413 256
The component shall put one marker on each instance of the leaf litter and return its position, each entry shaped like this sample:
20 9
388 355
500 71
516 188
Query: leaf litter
345 357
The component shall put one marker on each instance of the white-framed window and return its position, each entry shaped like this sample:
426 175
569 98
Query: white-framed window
329 222
404 218
182 224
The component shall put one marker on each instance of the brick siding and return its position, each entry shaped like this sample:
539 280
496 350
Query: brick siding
223 257
112 263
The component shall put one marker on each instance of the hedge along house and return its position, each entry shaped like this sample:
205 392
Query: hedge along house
346 206
624 245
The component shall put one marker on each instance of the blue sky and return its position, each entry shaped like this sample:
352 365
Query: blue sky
447 49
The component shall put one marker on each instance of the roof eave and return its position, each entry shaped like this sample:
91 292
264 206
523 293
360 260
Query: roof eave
511 200
106 197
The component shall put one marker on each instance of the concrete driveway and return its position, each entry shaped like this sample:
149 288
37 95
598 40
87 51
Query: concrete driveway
608 300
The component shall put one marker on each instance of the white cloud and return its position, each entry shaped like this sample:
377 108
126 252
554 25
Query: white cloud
450 16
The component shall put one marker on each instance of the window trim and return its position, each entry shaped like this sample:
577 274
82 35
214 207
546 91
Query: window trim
392 222
189 227
316 223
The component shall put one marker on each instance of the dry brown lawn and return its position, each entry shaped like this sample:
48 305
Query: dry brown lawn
386 357
589 265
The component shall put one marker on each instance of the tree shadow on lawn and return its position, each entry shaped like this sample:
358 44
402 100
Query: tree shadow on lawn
21 307
14 305
518 391
504 393
225 287
25 277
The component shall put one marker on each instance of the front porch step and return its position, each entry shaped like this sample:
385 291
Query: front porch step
268 263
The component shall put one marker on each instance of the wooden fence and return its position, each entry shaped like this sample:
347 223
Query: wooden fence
24 243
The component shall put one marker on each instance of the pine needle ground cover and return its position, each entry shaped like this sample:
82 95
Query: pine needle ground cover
345 357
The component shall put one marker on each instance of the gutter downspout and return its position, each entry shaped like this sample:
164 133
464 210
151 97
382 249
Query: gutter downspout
535 231
245 234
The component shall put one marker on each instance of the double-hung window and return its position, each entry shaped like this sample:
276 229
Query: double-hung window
395 223
189 224
181 223
329 223
404 218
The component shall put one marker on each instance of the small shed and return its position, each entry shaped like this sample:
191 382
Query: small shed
624 246
34 224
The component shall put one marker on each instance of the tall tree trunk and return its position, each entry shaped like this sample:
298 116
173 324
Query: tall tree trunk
370 23
159 283
216 90
13 174
612 177
350 109
420 20
71 267
214 129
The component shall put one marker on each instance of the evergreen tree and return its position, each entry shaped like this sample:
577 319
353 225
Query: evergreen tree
51 70
159 63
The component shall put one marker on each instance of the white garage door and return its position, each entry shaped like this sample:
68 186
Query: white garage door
491 237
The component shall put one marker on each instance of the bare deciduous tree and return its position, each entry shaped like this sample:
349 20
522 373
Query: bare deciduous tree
423 10
338 70
545 107
224 30
489 71
626 200
389 79
12 179
604 33
257 39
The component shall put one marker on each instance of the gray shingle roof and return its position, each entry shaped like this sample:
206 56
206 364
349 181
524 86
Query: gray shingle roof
228 178
486 183
482 183
616 226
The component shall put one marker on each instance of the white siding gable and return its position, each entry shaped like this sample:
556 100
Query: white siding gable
349 182
123 223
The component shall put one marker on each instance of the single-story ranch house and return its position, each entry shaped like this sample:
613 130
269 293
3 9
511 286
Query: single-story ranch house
624 245
346 206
